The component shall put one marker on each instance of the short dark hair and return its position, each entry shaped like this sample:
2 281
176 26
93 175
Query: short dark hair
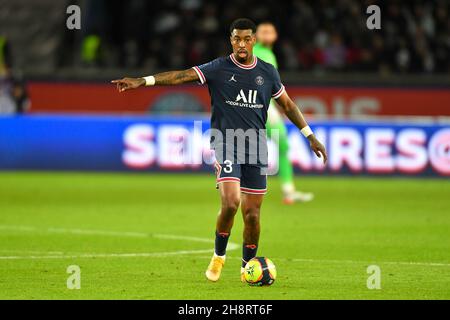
243 24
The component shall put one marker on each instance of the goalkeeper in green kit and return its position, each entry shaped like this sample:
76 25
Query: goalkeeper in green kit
266 35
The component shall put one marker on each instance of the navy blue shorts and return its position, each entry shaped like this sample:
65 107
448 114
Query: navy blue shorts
251 177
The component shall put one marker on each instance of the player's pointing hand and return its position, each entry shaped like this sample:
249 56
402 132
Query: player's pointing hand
128 83
318 148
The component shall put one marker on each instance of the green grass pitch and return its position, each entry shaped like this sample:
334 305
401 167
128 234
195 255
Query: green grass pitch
146 236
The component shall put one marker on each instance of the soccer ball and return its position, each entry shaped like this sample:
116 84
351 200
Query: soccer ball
260 271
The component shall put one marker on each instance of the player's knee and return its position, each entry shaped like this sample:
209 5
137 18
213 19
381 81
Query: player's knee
230 205
252 216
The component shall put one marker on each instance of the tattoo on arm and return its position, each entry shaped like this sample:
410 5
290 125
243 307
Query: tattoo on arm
175 77
296 117
292 112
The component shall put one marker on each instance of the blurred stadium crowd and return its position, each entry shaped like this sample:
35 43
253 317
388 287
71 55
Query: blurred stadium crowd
315 35
321 35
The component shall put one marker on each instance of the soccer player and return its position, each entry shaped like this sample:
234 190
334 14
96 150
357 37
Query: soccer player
266 36
240 86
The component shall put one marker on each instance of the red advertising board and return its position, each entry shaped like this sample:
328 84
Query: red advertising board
331 101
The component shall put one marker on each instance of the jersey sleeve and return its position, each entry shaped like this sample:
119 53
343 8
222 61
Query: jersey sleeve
206 72
277 87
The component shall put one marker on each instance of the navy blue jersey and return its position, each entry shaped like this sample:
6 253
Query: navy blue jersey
240 96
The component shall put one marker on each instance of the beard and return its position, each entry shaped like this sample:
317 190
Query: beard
242 56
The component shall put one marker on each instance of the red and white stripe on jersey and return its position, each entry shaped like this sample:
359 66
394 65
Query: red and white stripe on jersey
279 93
200 74
243 66
253 191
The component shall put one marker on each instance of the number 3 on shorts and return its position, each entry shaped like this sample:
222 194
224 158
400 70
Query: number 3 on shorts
228 166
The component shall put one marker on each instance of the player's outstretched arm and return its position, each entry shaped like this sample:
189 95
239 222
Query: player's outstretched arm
295 115
163 79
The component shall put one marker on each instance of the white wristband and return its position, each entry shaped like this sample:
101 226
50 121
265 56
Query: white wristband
306 131
149 81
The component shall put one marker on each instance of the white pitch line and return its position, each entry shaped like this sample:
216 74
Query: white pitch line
107 255
77 231
107 233
33 252
424 264
60 255
99 232
172 237
231 246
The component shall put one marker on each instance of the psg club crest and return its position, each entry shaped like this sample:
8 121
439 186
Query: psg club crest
259 80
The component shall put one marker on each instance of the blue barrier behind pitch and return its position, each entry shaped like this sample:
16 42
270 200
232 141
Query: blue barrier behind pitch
181 144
